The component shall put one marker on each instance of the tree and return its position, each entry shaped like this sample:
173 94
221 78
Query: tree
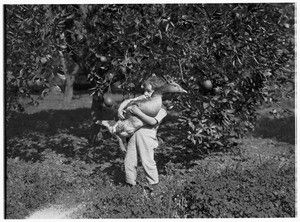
246 51
35 53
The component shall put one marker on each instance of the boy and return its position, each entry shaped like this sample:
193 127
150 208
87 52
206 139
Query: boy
127 128
144 140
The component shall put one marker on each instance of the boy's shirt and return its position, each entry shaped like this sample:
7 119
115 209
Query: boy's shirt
150 132
146 95
160 115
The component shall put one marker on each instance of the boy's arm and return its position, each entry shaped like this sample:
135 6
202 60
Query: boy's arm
161 114
121 108
124 104
148 119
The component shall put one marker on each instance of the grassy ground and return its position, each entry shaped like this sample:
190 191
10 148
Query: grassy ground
59 134
56 102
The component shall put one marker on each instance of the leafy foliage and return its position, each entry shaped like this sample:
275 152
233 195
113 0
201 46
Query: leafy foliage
239 193
263 191
245 50
31 54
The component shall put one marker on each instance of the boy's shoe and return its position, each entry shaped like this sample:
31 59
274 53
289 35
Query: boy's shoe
128 185
152 189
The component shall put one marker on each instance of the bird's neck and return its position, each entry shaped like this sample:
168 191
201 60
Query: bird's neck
159 91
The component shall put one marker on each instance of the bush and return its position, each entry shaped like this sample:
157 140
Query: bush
265 191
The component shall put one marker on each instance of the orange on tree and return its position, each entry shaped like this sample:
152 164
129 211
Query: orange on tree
207 84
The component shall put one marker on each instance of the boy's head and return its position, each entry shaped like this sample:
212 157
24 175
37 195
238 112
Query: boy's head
152 83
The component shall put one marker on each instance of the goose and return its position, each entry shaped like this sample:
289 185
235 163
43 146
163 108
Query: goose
152 105
149 106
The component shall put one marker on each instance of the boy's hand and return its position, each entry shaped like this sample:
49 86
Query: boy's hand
134 109
121 114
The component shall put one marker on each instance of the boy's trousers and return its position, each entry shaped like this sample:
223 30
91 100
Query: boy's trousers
142 143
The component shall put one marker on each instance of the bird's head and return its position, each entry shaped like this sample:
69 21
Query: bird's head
171 87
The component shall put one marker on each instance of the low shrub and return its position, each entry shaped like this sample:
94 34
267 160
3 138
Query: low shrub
31 185
137 202
265 191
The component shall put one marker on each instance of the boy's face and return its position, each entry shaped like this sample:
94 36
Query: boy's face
147 87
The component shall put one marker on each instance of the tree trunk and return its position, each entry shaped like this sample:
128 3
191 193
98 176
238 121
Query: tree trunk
68 95
70 79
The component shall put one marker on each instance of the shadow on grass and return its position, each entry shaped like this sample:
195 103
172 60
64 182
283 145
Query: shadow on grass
47 122
65 132
282 129
68 132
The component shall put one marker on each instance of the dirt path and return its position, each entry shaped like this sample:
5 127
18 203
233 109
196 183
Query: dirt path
55 212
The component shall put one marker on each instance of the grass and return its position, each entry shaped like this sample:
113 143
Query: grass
50 139
56 102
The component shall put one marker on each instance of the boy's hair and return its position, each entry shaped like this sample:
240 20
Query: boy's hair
155 81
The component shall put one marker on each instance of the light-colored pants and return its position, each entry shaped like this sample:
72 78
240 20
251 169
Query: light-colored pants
142 142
